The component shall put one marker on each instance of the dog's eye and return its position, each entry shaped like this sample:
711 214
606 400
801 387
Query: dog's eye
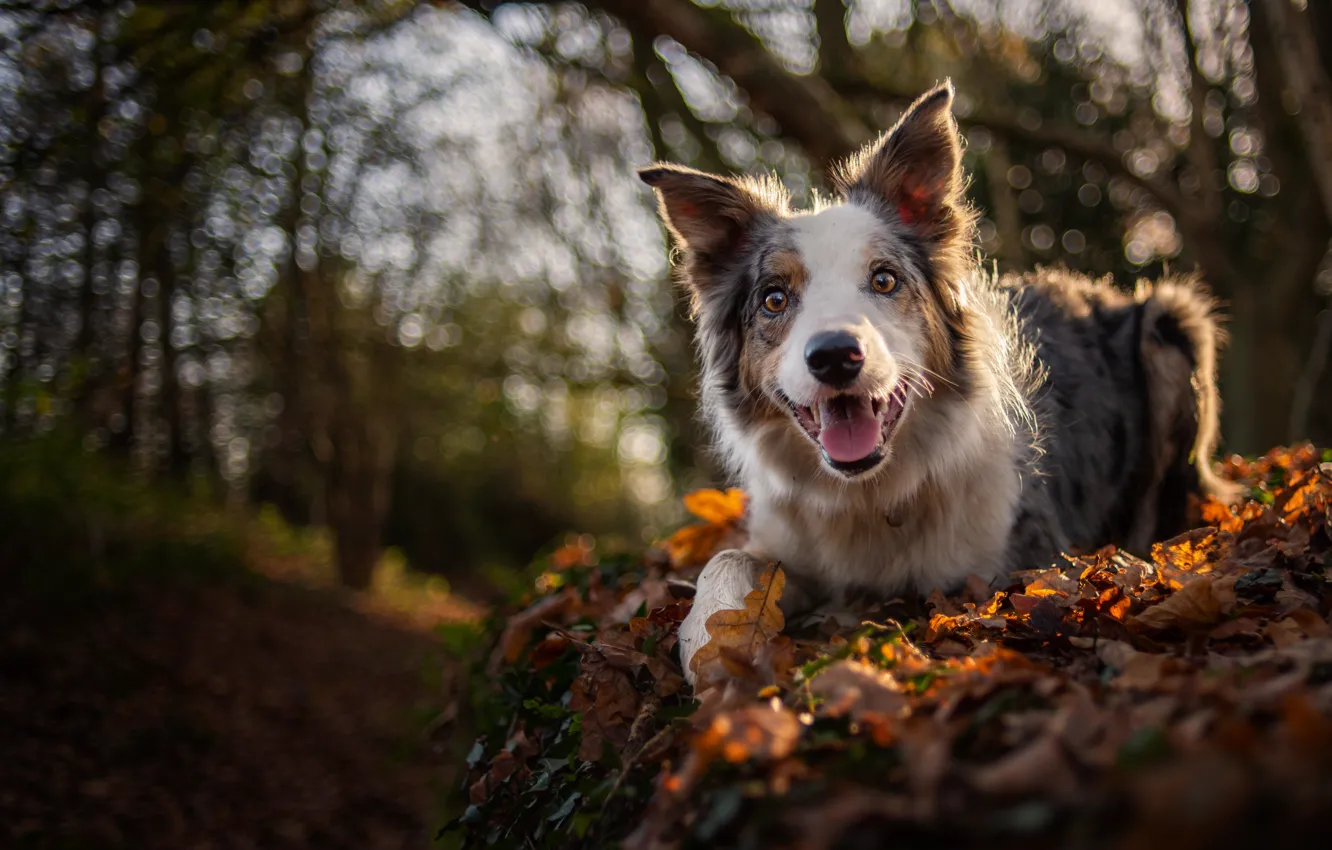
774 300
883 281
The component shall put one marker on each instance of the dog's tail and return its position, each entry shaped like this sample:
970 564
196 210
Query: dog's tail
1180 341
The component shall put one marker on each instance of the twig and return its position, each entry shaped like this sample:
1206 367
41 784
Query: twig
651 706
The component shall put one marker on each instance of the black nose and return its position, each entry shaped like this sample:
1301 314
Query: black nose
834 357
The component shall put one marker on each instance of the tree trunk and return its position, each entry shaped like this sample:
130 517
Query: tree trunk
1297 49
360 480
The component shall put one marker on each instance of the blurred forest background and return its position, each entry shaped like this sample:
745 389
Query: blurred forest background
386 266
380 274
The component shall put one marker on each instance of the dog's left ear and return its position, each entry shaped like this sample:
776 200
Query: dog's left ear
915 168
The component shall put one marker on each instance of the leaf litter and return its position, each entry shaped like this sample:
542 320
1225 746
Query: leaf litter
1184 700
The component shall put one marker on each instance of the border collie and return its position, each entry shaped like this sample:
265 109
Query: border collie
902 419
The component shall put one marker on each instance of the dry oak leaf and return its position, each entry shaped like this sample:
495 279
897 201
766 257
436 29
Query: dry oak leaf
606 698
1200 602
743 632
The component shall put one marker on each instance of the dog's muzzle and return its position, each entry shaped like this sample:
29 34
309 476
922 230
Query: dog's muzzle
834 358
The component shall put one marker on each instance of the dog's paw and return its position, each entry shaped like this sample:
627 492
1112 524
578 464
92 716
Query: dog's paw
722 585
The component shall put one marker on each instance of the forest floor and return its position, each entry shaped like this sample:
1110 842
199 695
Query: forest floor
1108 702
260 710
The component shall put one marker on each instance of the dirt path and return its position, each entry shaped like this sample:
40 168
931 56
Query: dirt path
260 715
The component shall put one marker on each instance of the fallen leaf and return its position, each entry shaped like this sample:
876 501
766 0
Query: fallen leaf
1284 633
858 689
763 731
1039 766
746 630
1310 623
518 630
1238 627
608 701
1201 602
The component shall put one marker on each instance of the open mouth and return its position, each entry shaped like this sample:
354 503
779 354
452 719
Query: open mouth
852 430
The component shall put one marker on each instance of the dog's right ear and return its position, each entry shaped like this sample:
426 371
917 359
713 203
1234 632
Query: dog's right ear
709 216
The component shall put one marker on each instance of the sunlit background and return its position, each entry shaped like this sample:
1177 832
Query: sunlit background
386 266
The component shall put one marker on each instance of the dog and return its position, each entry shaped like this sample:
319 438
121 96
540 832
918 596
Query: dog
900 417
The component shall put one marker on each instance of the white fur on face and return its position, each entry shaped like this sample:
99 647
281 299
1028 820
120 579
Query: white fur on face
838 249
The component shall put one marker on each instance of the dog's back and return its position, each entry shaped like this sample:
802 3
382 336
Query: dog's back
1126 411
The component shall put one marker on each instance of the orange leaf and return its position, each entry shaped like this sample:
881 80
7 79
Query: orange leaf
745 631
715 506
695 544
1190 552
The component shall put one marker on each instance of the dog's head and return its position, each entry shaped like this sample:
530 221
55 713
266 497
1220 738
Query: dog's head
839 322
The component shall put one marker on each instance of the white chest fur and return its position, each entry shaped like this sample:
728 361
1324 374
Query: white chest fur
945 531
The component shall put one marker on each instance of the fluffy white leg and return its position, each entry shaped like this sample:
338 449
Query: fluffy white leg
722 585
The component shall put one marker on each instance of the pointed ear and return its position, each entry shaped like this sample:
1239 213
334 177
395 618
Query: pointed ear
707 215
915 168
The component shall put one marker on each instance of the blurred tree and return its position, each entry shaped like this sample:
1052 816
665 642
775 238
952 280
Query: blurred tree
244 239
330 253
1113 137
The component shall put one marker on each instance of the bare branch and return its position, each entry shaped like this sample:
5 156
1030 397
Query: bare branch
806 107
1201 153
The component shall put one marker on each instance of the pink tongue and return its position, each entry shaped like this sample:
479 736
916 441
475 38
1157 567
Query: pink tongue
850 428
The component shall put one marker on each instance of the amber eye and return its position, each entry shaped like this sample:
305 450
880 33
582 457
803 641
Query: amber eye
883 281
774 300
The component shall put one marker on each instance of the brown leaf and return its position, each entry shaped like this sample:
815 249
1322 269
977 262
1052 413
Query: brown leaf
518 630
1041 766
608 701
1284 633
765 731
1310 623
507 762
548 651
1238 627
1039 612
1292 598
942 604
745 631
858 689
1201 602
1052 583
619 645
